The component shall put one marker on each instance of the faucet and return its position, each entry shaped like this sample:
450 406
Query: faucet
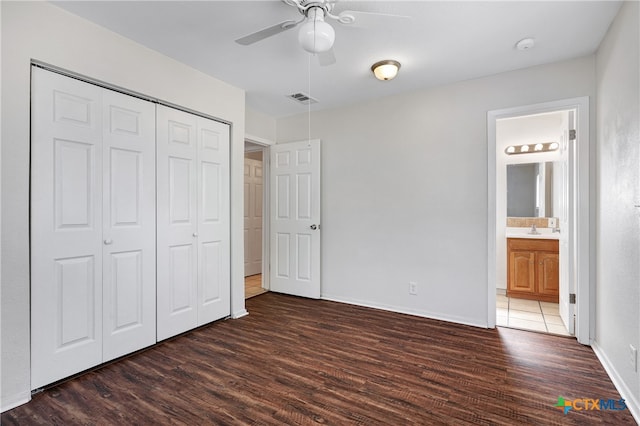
556 229
534 230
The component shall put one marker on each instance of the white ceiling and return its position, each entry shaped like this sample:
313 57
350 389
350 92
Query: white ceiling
443 42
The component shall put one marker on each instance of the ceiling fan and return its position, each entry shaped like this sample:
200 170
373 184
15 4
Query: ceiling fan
315 34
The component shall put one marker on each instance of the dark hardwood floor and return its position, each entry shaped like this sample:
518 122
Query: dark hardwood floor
300 361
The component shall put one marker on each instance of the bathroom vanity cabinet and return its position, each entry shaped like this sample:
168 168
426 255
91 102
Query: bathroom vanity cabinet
533 269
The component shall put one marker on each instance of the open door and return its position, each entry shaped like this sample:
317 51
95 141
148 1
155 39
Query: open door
253 213
295 218
567 250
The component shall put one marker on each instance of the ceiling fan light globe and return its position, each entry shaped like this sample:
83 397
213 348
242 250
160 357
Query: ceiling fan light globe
316 37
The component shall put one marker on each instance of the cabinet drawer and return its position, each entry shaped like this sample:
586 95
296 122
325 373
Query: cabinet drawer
530 244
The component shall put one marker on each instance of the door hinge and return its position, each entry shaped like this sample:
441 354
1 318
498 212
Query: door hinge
572 135
572 298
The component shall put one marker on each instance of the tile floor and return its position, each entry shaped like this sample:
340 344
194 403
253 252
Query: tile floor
529 315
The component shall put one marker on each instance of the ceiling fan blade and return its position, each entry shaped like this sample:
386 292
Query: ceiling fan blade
327 58
368 18
267 32
294 3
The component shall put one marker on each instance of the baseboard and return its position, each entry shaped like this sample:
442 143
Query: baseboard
629 396
240 314
404 310
9 403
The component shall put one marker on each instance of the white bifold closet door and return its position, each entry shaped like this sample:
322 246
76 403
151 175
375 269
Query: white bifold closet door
92 226
193 251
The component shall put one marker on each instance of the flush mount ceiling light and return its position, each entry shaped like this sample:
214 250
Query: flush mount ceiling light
385 70
533 148
315 35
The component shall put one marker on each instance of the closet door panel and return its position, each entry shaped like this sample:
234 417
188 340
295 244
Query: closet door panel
66 227
177 230
213 221
129 230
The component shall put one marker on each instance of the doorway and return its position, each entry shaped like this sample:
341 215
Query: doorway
530 242
291 227
254 219
507 128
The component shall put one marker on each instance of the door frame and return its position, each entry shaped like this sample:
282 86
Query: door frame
583 220
266 203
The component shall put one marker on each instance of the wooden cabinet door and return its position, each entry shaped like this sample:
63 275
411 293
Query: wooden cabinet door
522 272
548 273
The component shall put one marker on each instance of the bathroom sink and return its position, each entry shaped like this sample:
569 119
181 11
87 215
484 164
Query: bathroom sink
544 233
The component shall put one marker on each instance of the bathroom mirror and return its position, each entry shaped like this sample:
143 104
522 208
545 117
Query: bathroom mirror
530 189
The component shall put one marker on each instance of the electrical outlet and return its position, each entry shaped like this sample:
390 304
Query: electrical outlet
413 288
633 357
552 223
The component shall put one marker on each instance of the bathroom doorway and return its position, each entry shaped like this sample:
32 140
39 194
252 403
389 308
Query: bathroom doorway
539 247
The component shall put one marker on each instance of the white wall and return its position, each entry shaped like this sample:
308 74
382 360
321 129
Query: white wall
404 189
41 31
260 125
618 183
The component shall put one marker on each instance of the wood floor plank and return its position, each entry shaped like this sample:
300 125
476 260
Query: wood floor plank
301 362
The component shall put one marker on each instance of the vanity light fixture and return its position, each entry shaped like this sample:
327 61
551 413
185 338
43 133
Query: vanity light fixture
532 148
385 70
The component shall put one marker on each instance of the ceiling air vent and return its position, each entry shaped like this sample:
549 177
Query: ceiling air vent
302 98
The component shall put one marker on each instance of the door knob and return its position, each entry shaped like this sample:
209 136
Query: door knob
314 227
108 242
195 234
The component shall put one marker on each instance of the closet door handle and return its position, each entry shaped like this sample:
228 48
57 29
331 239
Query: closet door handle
195 234
108 242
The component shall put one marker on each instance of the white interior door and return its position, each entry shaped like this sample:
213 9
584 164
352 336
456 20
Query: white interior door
66 227
129 230
295 218
252 216
213 221
177 225
567 230
193 221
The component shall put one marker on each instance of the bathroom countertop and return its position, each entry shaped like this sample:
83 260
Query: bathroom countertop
544 233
